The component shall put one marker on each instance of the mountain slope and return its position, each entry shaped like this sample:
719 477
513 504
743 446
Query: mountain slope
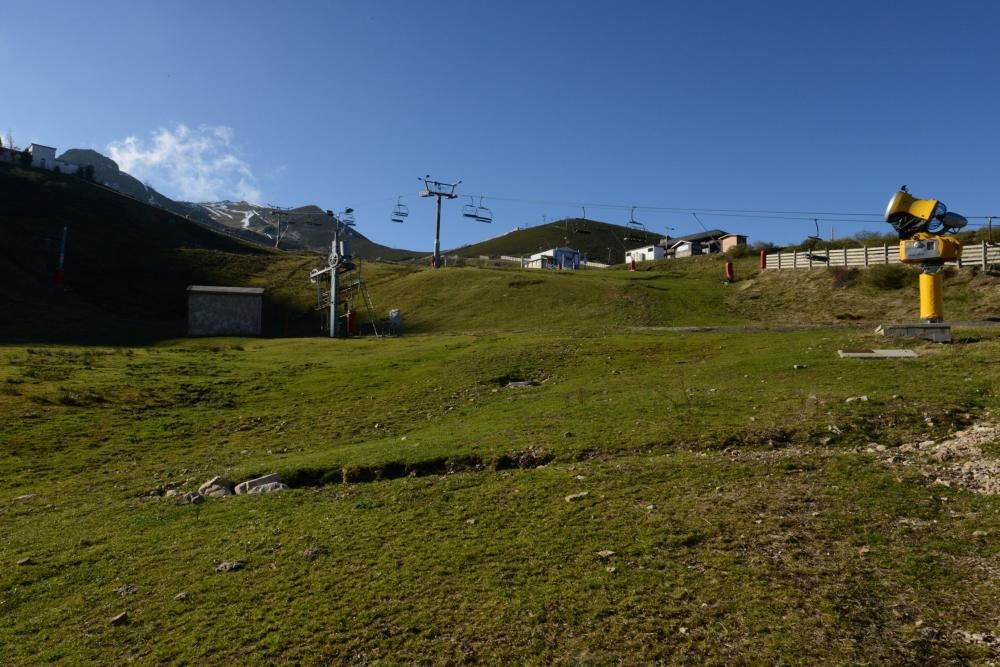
308 226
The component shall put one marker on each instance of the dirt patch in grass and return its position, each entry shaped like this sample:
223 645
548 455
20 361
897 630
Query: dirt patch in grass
325 476
956 461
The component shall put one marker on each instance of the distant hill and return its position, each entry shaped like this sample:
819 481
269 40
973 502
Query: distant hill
308 226
598 241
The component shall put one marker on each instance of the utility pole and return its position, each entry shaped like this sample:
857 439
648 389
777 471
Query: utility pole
441 191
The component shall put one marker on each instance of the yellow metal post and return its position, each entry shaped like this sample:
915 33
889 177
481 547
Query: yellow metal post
931 299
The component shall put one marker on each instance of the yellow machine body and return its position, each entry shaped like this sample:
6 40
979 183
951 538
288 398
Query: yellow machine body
923 248
903 204
931 297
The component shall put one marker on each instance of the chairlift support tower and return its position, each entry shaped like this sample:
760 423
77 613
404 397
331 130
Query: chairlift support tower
440 191
339 259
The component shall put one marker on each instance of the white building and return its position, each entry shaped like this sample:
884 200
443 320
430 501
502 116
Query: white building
556 258
44 157
645 254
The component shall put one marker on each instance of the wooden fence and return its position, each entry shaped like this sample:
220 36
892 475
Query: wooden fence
982 255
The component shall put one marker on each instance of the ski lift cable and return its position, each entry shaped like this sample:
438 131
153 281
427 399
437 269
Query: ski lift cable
676 209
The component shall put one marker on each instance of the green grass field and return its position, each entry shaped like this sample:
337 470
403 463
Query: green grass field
428 523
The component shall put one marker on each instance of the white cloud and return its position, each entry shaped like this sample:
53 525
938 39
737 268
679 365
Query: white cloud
191 164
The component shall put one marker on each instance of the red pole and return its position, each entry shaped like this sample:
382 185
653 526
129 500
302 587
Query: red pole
730 274
763 260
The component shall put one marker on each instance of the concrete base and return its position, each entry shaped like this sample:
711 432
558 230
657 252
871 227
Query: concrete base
936 331
876 354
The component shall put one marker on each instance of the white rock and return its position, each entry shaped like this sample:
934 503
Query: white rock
229 566
217 486
852 399
268 488
576 496
245 487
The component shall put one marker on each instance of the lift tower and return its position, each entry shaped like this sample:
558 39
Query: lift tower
441 191
340 260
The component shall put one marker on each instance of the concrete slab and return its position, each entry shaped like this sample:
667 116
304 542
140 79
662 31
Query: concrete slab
934 331
876 354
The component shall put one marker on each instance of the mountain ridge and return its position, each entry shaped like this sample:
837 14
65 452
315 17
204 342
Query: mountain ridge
308 227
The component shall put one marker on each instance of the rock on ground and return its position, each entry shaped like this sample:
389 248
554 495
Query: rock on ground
957 461
126 589
268 488
245 487
229 566
216 487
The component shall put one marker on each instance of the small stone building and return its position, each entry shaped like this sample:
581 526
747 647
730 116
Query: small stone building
225 311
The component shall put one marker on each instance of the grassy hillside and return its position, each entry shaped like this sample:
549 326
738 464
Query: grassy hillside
128 266
656 497
599 241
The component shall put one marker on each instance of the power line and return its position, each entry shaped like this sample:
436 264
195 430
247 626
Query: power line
768 214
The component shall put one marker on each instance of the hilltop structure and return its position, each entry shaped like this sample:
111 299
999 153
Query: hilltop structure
702 243
44 157
38 156
646 253
556 258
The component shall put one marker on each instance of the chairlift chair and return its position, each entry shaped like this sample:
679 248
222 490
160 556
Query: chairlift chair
816 236
483 214
469 210
400 211
636 231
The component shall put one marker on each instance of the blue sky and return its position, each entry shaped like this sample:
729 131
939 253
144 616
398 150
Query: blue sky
787 106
